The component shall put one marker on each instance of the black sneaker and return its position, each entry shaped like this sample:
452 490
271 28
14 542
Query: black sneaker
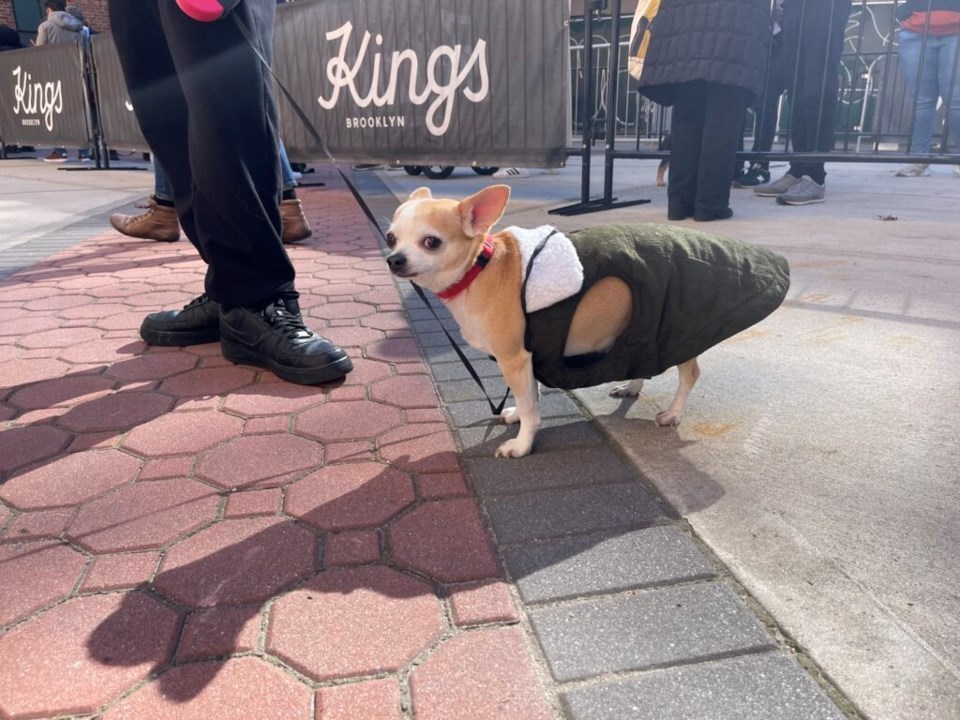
753 177
197 323
276 338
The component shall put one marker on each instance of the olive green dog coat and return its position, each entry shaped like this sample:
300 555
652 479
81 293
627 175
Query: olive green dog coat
690 291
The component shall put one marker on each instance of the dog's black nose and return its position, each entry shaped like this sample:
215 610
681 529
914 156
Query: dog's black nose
397 261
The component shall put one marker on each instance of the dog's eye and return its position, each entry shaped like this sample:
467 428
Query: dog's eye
432 242
391 240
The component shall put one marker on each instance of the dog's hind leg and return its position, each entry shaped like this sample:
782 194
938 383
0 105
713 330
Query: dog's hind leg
627 389
689 372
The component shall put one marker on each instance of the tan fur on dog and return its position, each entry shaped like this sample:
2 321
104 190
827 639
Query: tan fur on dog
434 242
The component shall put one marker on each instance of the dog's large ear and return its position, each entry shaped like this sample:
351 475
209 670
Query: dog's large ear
480 211
422 193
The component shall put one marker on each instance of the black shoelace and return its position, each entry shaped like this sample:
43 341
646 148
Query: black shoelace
286 321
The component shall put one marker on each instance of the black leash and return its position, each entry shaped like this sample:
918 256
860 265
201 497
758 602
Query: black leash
318 139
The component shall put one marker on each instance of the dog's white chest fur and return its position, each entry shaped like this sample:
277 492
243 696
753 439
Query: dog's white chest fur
557 272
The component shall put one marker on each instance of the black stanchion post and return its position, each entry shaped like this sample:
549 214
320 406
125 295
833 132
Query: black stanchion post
589 115
606 202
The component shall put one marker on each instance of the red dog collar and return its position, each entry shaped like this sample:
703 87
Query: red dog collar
458 287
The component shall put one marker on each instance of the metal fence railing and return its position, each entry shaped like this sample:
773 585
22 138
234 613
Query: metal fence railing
874 117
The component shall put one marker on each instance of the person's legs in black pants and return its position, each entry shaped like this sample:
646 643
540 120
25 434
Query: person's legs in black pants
213 127
724 105
205 104
769 104
813 44
686 134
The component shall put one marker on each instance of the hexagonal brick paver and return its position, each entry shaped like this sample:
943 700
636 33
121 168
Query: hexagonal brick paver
21 446
219 632
236 562
397 350
35 574
371 620
70 390
354 495
152 366
273 399
26 371
180 433
107 350
120 411
370 700
406 391
423 447
59 338
208 381
241 689
366 371
260 461
477 676
144 515
70 480
28 323
445 540
353 420
83 653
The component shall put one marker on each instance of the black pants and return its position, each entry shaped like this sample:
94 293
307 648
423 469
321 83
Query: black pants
767 106
205 105
813 33
704 131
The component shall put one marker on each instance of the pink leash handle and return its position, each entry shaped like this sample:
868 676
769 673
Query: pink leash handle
207 10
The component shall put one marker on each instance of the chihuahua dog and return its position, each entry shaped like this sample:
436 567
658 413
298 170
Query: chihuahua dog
447 247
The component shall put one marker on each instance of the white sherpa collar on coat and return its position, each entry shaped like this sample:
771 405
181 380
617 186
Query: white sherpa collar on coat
557 272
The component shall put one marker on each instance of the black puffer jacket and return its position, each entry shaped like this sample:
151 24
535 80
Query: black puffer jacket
719 41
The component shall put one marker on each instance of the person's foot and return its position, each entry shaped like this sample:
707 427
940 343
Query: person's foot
294 223
915 170
158 222
777 187
511 172
754 176
710 214
679 211
956 170
197 323
56 156
805 192
275 338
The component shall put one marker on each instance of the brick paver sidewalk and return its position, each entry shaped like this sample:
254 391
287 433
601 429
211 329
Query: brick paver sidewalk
181 537
184 538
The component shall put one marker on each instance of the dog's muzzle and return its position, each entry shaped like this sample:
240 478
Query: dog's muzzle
397 262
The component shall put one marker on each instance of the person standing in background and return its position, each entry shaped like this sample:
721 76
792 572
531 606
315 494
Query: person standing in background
813 36
706 58
930 29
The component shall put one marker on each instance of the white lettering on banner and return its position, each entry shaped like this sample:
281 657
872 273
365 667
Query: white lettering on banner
389 121
343 75
34 98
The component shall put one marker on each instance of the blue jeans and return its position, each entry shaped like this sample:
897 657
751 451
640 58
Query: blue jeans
939 67
163 190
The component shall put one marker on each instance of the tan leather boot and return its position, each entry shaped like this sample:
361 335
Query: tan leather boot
293 221
157 222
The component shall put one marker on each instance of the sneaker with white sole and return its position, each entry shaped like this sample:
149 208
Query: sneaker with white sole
915 170
777 187
511 172
805 191
956 170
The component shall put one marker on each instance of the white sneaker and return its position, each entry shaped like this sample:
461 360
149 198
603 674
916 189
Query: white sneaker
915 170
511 172
956 170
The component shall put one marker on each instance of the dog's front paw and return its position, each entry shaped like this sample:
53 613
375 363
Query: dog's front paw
668 419
514 448
510 416
628 389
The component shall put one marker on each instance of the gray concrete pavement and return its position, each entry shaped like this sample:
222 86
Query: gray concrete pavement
819 450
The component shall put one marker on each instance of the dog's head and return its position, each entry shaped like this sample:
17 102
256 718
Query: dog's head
433 240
